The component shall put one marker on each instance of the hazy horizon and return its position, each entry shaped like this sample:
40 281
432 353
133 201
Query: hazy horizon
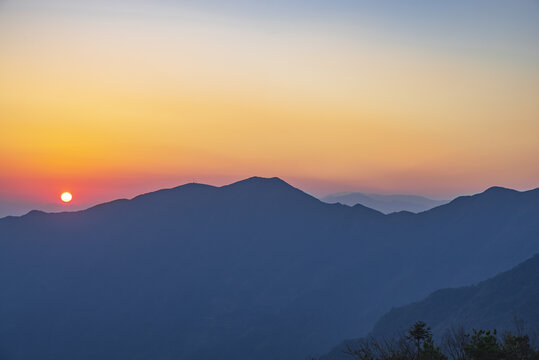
21 208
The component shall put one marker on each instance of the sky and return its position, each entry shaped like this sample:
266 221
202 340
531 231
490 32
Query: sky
110 99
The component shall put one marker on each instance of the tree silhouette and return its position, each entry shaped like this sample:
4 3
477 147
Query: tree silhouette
484 345
517 347
419 333
418 344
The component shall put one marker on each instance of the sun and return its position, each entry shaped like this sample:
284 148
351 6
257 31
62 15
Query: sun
66 197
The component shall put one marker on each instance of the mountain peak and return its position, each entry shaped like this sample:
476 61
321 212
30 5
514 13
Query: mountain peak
35 212
258 182
263 180
498 189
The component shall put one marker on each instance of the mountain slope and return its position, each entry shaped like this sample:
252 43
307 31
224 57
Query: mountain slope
256 269
491 304
385 203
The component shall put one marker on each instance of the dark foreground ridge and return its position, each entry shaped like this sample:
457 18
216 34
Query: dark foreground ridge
419 343
253 270
494 303
507 302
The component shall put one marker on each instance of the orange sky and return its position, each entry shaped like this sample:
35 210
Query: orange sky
109 103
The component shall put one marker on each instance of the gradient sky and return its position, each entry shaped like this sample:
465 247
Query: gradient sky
109 99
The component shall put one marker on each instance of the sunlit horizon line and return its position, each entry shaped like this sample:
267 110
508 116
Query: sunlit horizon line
101 187
75 206
63 207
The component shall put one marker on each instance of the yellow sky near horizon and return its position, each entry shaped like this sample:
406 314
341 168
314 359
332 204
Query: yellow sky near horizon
89 97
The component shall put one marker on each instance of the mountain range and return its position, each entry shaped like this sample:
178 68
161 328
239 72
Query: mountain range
252 270
385 203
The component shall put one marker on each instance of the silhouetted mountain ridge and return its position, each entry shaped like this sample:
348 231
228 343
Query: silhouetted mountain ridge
255 269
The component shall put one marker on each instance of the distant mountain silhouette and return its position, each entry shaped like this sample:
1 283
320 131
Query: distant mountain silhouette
11 208
252 270
385 203
492 304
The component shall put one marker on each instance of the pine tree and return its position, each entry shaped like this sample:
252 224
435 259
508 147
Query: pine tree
419 332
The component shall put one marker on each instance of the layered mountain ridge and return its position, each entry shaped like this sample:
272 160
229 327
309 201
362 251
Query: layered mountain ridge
385 203
255 269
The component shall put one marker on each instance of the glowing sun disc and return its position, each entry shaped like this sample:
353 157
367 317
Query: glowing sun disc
66 197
